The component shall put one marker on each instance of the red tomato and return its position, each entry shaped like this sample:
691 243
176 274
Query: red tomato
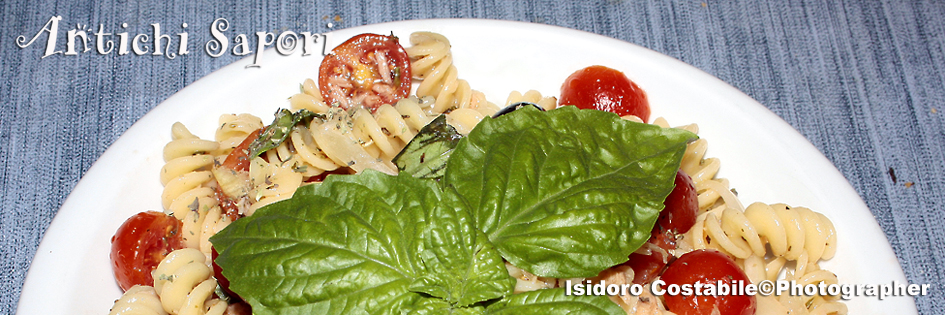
606 89
368 70
682 206
218 274
662 238
238 159
645 267
706 266
140 244
229 207
679 215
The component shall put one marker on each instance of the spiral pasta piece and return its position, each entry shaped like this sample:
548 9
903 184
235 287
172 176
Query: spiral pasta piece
234 129
810 274
352 138
200 224
271 183
309 98
183 282
186 171
789 232
189 183
762 238
433 65
713 193
337 140
138 300
412 111
534 97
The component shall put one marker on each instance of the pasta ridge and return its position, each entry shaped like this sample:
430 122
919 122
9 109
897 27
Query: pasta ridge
189 193
138 300
433 66
185 284
764 239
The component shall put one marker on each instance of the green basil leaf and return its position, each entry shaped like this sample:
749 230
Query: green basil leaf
279 130
565 193
438 306
462 267
315 254
364 244
553 301
426 155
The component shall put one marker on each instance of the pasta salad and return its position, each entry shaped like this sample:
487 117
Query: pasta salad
366 198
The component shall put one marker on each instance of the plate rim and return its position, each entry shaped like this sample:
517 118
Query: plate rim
788 137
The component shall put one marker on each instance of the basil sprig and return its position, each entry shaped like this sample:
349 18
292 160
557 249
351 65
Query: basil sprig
564 193
279 129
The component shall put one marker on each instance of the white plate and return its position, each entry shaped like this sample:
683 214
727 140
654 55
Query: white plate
765 159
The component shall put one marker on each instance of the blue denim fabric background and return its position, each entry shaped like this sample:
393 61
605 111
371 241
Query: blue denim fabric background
864 81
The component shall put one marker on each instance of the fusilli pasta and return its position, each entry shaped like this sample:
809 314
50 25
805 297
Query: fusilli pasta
189 188
183 282
433 65
138 300
792 234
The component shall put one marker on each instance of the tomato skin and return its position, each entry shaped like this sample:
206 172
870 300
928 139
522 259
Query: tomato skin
682 206
140 244
677 217
238 159
646 267
218 274
606 89
354 72
706 266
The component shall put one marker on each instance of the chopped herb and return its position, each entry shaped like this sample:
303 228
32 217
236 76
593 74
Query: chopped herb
279 130
194 205
220 292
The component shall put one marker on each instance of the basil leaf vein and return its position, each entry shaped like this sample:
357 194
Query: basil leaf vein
565 193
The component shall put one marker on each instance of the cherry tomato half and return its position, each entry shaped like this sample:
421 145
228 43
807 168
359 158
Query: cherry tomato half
238 159
706 266
682 206
606 89
646 267
679 215
368 70
218 274
140 244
